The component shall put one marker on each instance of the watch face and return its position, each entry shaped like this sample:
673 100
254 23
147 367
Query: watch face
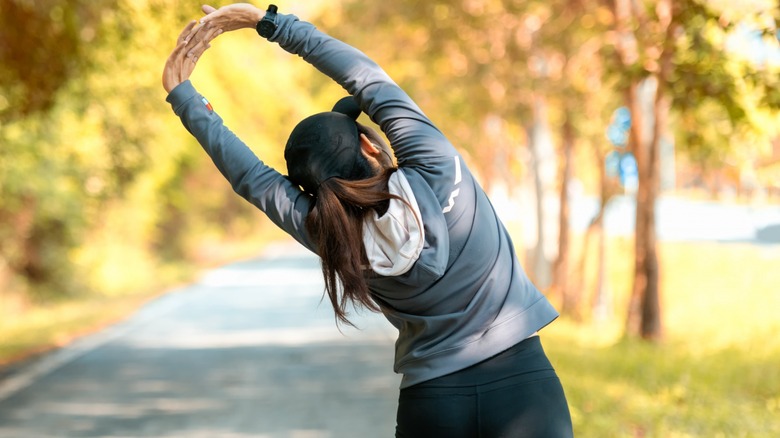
266 28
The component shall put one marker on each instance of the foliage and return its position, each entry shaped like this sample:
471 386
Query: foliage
477 67
101 189
718 84
42 48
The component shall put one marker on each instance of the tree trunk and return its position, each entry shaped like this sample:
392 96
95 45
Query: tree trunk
644 317
570 297
652 326
633 317
652 102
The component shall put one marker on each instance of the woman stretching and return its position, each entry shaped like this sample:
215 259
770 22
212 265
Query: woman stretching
419 242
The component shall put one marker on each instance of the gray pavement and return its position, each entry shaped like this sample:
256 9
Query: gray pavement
248 351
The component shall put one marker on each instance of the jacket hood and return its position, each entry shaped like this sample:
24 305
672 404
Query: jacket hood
394 240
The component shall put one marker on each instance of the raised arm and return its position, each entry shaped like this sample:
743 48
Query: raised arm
285 204
412 135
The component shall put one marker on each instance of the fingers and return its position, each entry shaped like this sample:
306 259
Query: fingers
208 10
197 32
197 49
211 33
180 50
205 34
201 32
187 30
193 40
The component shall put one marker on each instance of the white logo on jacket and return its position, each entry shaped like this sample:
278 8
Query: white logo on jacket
454 194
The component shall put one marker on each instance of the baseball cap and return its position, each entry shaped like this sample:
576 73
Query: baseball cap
325 145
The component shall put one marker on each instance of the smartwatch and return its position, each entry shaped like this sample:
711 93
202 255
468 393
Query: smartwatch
267 26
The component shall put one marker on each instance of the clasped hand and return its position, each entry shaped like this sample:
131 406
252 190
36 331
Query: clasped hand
196 37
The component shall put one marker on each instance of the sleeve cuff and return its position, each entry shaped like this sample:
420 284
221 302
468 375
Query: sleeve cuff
284 21
181 94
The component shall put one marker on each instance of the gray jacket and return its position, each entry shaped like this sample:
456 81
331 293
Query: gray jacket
465 297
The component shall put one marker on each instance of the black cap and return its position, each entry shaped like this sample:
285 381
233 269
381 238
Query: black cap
325 145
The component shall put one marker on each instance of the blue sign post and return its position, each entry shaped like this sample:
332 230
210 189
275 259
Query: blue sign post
619 163
629 172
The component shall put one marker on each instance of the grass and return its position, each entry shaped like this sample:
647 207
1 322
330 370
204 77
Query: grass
715 374
632 389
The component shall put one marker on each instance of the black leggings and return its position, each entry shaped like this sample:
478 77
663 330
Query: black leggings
513 394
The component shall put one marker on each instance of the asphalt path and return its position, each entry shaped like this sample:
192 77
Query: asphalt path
248 351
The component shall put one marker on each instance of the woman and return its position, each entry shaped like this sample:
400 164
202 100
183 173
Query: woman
419 242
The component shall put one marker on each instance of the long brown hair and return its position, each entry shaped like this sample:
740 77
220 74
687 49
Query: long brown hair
336 224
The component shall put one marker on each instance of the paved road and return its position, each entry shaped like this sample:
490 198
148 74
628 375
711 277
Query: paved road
249 351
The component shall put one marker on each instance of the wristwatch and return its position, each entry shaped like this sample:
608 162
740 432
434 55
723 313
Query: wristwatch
267 26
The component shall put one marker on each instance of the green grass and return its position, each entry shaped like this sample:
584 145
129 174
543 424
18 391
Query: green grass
632 388
715 374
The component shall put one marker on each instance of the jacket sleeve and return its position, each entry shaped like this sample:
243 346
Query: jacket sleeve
414 138
284 203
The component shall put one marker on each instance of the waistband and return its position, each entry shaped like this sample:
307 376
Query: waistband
525 359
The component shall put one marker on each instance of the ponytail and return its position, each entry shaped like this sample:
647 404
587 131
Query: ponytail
336 224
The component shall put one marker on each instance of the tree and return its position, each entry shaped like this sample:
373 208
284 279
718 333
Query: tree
665 52
42 48
101 189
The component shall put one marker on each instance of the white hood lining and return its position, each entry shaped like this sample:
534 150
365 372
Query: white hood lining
394 241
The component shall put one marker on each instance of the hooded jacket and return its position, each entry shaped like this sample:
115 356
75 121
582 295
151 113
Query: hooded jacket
445 273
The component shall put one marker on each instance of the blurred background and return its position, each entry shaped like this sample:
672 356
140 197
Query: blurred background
631 146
